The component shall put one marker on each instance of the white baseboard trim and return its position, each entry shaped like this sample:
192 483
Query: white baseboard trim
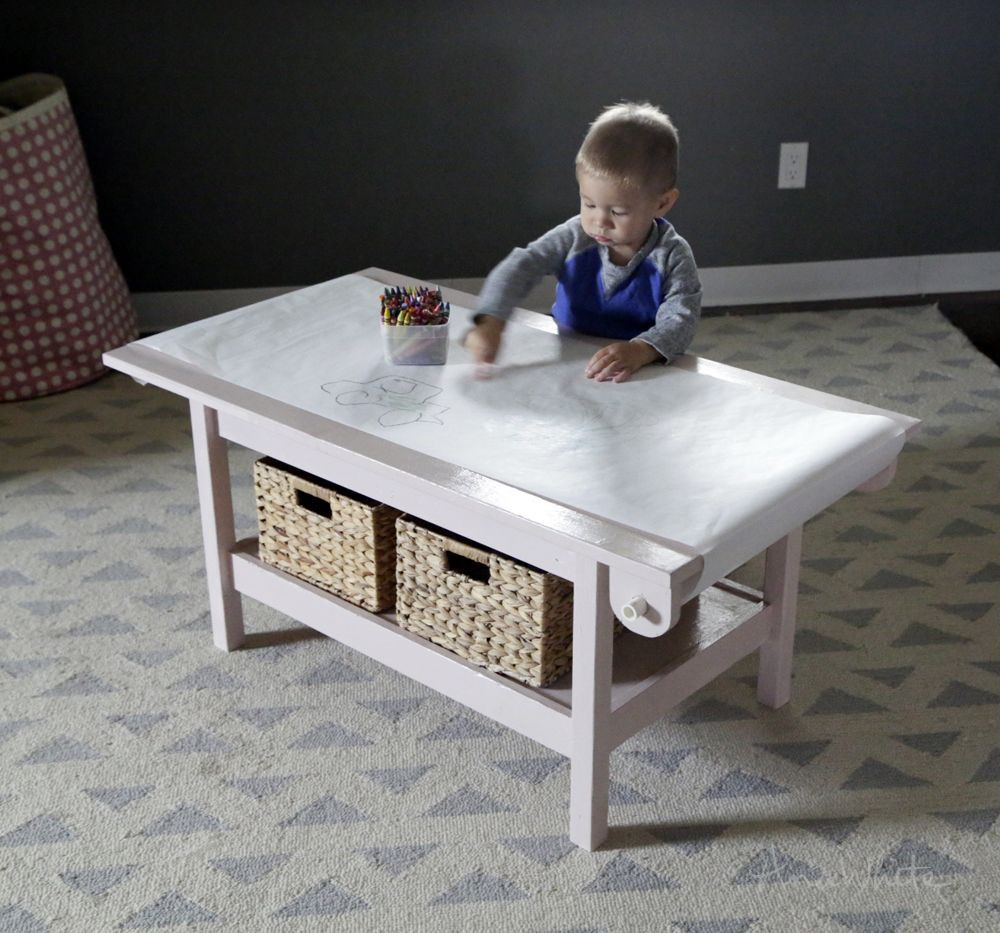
159 311
724 286
851 278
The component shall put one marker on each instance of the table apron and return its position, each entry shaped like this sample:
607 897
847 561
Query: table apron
463 514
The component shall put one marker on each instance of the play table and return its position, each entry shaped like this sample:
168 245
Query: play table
644 494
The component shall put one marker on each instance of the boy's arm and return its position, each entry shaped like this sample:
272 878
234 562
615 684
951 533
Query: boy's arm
512 279
680 307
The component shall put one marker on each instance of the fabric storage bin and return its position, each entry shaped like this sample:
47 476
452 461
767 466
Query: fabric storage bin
486 608
335 539
63 299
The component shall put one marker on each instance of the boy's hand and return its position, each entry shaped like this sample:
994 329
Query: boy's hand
483 341
617 361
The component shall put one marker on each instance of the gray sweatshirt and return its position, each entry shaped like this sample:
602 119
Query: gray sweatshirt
656 298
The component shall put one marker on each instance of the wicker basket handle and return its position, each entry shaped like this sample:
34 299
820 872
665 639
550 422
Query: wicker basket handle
467 560
311 497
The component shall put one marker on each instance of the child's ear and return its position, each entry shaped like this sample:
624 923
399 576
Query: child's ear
667 200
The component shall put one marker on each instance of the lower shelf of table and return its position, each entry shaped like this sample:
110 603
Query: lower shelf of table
650 675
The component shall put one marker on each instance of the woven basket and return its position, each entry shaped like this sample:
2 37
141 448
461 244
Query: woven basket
484 607
335 539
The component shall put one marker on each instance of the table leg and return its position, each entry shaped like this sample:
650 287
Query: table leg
591 746
781 585
217 526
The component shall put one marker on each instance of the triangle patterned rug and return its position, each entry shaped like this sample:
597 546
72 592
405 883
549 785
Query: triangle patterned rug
153 782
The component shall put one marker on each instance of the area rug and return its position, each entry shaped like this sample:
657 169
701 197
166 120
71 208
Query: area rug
151 781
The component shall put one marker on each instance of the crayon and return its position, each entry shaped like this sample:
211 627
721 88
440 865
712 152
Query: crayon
414 305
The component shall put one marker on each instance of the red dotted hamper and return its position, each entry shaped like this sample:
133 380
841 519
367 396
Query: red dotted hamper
63 300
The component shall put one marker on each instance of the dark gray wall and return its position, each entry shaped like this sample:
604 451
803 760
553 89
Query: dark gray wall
241 142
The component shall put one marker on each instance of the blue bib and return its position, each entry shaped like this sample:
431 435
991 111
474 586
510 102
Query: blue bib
582 305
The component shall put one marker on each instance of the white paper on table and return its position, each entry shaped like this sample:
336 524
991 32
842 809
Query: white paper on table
672 453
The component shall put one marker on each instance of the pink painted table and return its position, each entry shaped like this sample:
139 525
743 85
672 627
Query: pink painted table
686 622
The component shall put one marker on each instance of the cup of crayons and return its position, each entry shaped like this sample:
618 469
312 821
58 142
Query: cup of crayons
414 325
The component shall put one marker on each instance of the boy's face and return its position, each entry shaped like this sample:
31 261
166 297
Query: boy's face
619 217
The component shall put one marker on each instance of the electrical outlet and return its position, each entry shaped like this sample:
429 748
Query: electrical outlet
792 165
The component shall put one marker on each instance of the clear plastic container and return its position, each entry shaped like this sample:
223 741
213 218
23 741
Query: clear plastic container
415 344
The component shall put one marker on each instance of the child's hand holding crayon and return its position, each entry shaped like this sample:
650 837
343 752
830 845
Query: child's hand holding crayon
483 341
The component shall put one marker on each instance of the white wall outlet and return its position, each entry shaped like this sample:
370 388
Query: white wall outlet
792 165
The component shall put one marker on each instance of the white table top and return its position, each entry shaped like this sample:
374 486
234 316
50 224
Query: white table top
694 454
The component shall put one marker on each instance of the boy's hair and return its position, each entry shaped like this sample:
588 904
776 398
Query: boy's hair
632 144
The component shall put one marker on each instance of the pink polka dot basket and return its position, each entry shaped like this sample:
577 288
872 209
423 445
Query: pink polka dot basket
63 300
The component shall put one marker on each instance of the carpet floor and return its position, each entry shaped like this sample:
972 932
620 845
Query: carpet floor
151 781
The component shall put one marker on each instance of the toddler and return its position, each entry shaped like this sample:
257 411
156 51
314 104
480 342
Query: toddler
623 272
